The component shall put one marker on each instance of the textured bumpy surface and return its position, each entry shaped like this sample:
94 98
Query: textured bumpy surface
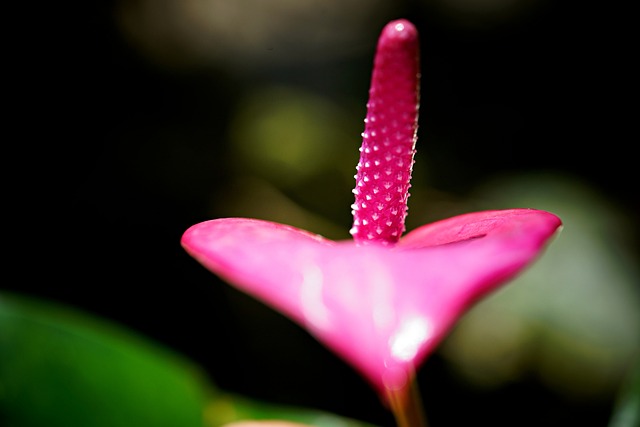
388 141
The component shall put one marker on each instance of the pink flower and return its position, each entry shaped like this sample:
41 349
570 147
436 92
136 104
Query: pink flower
381 301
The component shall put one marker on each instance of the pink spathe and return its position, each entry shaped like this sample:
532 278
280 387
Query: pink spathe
382 309
382 301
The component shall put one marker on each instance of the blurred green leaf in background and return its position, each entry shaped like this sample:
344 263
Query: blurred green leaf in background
62 368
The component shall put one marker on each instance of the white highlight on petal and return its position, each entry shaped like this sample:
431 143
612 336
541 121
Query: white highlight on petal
406 342
381 293
311 299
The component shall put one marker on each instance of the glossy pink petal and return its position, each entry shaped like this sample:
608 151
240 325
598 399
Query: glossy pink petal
382 309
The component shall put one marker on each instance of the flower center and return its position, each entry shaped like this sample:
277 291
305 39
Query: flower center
389 137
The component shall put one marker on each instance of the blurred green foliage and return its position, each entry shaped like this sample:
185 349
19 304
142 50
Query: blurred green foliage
627 409
62 368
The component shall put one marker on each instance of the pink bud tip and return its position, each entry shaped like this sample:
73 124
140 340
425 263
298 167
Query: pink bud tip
399 30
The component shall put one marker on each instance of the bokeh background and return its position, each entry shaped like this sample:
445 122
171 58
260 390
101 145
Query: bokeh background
150 116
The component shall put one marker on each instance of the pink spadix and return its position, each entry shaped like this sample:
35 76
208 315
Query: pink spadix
389 138
382 301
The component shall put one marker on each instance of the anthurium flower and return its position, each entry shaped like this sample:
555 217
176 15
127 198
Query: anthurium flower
381 301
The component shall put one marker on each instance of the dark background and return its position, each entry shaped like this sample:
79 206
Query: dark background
104 214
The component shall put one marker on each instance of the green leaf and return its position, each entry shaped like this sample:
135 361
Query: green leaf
627 410
61 368
229 407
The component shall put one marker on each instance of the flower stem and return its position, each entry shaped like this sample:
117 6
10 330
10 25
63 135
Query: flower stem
406 405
